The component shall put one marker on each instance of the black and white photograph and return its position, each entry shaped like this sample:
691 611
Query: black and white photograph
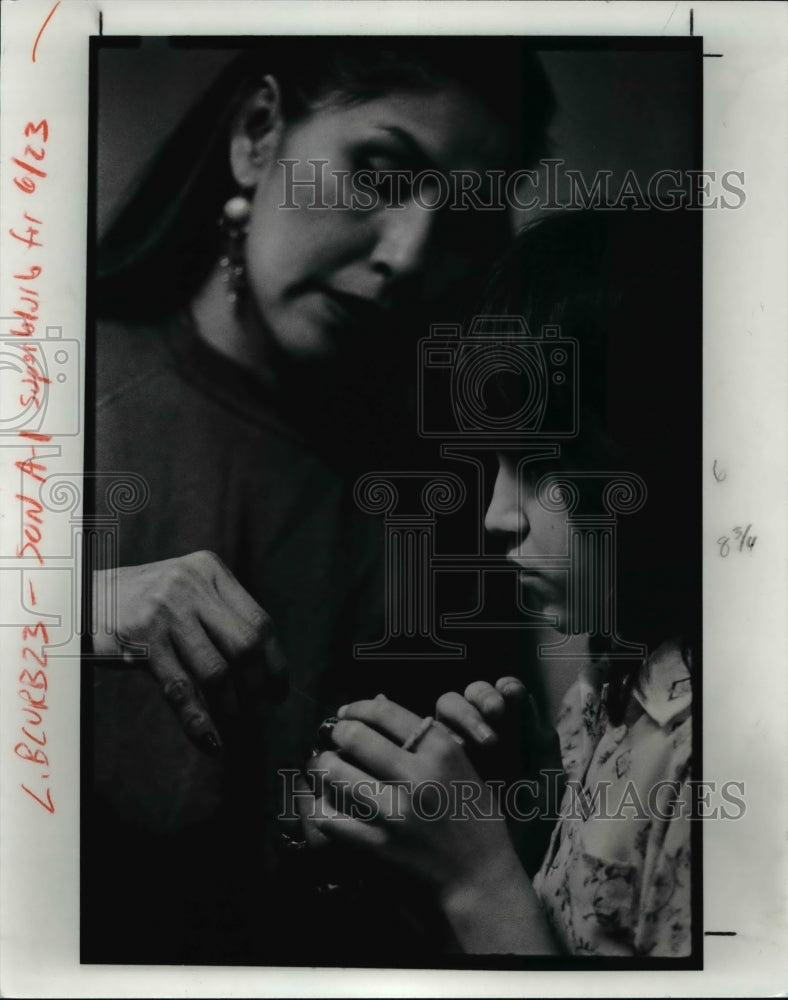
396 569
392 519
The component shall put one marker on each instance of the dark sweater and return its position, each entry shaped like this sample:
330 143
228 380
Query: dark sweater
175 835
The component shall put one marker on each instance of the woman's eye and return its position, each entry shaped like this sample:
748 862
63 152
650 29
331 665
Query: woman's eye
385 174
379 164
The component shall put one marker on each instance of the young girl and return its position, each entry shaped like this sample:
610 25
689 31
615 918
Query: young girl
251 359
616 877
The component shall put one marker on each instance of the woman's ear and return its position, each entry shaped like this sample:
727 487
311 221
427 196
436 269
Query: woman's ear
256 133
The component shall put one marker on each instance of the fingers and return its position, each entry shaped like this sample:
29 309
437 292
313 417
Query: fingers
203 664
462 717
217 624
229 589
229 631
307 802
354 792
332 775
436 756
371 750
184 698
516 695
511 688
196 650
242 629
387 717
493 701
196 621
484 697
470 714
322 822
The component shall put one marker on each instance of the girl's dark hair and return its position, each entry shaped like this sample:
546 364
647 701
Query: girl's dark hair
627 287
163 243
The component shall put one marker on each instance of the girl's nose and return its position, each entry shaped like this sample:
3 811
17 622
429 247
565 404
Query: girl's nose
403 243
505 515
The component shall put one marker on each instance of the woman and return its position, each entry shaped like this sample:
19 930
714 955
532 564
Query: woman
616 876
253 360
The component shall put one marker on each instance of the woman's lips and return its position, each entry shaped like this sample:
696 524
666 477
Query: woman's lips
353 310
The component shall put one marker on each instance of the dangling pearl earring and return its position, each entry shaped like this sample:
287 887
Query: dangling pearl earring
234 222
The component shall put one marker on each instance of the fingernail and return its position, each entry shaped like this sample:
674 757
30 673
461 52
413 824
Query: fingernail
209 744
483 733
275 657
341 711
491 704
325 731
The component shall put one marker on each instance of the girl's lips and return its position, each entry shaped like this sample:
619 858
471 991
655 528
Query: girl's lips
530 574
523 570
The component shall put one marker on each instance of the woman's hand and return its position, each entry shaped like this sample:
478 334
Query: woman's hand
426 809
196 621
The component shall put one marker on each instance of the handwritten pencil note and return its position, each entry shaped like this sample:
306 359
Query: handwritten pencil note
739 540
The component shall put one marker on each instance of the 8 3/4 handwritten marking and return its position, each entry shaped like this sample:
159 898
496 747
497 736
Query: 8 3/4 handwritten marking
738 540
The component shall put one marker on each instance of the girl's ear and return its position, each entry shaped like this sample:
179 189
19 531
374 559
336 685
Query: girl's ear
256 133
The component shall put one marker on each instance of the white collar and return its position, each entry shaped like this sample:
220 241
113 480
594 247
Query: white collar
664 685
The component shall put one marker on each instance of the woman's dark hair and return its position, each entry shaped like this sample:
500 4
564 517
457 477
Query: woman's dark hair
163 243
627 287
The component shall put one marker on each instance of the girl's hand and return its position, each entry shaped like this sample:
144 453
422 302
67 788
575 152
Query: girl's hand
522 749
424 808
505 719
476 715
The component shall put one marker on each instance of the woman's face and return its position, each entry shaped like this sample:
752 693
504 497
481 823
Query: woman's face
328 281
535 538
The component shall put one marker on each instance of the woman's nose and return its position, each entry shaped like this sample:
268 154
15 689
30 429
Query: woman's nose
403 243
505 515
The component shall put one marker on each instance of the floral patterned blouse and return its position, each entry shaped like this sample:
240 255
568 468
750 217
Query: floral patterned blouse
616 876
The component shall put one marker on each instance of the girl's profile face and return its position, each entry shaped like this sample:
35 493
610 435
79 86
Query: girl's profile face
328 280
536 539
